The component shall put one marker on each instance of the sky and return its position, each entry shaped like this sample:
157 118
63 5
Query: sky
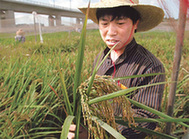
172 8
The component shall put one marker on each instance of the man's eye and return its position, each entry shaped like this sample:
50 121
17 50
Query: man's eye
104 24
120 23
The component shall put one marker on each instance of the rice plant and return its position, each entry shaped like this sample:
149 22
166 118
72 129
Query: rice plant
31 91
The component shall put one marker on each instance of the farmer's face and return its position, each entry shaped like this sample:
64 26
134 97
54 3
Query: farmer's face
120 30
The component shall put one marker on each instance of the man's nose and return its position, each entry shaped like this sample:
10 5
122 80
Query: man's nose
112 30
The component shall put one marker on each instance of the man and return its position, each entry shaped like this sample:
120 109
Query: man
20 36
118 20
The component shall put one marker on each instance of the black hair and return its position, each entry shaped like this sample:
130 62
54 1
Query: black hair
118 12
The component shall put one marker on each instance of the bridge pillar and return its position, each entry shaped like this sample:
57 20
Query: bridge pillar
77 20
82 20
10 19
51 20
58 20
1 17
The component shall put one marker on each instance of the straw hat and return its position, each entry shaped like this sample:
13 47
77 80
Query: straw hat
151 16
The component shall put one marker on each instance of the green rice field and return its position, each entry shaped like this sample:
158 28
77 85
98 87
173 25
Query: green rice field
32 102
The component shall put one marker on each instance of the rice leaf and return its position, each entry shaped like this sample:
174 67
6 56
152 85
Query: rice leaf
136 76
9 74
77 79
78 118
160 114
97 67
108 128
119 93
79 62
152 132
66 126
65 94
112 95
92 77
38 135
149 120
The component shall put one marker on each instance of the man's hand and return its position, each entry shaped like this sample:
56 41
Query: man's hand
82 132
71 134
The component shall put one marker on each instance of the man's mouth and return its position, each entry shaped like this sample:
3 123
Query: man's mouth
111 42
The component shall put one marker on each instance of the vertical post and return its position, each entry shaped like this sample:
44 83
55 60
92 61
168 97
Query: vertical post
70 9
70 18
34 14
40 33
177 59
0 19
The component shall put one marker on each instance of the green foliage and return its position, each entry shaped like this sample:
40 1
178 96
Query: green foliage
31 108
66 126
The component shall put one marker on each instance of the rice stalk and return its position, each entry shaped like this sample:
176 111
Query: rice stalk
104 110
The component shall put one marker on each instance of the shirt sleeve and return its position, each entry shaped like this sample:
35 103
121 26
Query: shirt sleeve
150 96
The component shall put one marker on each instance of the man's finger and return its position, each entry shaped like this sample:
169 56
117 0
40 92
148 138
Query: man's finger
72 127
71 135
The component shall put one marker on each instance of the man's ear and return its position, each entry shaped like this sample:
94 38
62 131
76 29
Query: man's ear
136 25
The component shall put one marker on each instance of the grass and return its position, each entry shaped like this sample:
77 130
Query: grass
31 96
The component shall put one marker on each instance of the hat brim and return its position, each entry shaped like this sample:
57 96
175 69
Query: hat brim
151 16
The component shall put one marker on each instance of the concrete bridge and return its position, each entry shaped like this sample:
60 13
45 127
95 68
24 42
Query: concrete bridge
8 7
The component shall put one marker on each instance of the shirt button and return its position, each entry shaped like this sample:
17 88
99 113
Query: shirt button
108 62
